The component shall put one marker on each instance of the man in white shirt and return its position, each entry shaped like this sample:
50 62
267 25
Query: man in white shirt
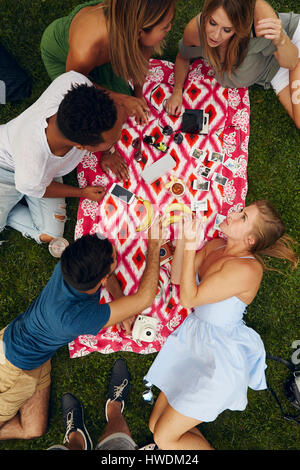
46 142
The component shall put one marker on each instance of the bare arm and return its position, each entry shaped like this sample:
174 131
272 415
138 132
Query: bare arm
174 103
268 24
55 189
237 277
181 68
176 265
177 261
130 305
85 58
192 236
114 288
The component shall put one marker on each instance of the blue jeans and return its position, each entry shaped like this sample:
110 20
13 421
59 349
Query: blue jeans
40 216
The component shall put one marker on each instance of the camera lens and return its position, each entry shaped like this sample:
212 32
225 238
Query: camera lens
136 143
178 138
167 130
162 252
148 333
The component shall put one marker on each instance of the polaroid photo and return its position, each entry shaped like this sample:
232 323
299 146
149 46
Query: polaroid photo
231 164
199 205
199 154
216 157
219 219
220 179
204 171
201 185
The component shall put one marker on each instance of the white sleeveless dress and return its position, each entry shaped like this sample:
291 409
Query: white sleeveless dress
207 364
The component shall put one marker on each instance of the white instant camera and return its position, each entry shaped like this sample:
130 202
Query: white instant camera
144 328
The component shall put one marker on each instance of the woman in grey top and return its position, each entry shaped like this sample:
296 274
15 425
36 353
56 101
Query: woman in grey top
246 42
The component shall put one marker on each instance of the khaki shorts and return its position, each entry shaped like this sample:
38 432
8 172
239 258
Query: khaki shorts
17 385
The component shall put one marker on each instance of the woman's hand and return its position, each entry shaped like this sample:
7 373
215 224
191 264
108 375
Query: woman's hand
135 107
94 193
287 52
193 232
271 28
115 163
174 103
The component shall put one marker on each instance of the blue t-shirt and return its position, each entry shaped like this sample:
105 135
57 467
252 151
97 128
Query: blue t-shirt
56 317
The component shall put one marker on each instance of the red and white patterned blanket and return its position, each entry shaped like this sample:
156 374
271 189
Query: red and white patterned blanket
229 115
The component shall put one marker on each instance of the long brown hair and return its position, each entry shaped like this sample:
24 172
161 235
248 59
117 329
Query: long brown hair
125 20
270 236
240 14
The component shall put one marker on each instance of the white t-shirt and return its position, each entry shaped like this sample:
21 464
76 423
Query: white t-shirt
24 147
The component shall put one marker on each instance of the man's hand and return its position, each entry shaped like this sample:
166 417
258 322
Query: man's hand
126 324
156 234
94 193
115 163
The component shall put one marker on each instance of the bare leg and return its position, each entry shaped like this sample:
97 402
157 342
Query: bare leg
76 441
31 420
289 97
116 421
160 406
174 431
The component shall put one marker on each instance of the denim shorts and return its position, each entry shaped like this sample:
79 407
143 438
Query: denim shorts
38 217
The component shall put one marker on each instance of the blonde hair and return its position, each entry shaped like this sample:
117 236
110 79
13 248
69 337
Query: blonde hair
240 14
125 19
270 236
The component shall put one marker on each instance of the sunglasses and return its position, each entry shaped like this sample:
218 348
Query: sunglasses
147 395
227 127
136 144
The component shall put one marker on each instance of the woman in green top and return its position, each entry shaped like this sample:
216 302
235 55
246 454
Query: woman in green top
246 42
111 42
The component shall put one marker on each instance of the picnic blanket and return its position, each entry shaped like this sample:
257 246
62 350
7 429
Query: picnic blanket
229 114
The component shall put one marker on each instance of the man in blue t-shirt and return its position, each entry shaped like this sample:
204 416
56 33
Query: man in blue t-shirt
67 307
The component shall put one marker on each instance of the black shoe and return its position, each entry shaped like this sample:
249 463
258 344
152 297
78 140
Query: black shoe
72 411
119 384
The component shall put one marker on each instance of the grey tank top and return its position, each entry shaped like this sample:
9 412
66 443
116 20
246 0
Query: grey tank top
259 65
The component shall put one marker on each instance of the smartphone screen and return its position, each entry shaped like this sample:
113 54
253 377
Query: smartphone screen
122 193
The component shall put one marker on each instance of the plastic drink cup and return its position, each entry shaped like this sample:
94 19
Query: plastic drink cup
57 246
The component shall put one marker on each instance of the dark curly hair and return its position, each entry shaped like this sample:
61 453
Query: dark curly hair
84 113
86 261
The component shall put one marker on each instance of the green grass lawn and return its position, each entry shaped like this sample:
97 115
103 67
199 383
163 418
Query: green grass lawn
25 267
